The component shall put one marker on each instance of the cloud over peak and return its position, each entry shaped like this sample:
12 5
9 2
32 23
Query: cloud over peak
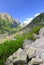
28 20
37 14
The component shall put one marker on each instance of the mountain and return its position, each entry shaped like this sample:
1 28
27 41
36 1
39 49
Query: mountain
8 23
38 20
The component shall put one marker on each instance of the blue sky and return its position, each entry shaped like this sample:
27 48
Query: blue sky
23 10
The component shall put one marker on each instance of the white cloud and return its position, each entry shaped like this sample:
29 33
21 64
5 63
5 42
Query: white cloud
27 21
36 14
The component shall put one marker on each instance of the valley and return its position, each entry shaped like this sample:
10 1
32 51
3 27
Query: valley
11 42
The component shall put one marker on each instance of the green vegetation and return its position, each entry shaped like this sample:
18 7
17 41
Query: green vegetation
37 21
9 47
8 24
34 30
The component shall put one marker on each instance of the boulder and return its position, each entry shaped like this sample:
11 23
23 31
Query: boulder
36 61
36 36
20 57
39 46
31 52
10 58
41 33
39 53
26 43
39 43
35 52
16 58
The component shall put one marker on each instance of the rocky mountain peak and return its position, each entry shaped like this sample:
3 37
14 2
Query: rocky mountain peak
2 15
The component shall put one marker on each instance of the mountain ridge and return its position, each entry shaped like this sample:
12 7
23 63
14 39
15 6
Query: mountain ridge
8 23
37 20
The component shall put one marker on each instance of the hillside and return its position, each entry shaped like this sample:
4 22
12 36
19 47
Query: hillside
9 47
38 20
8 24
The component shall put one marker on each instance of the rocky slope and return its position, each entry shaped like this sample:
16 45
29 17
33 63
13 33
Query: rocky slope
31 54
7 23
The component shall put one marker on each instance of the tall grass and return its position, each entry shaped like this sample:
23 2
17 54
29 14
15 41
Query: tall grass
8 47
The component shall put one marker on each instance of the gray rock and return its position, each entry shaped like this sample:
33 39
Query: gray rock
11 64
36 61
41 33
36 49
9 60
35 52
36 36
29 63
20 56
42 56
41 64
39 52
39 43
31 52
26 43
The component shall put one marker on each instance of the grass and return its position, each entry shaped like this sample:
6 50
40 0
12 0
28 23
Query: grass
34 30
9 47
